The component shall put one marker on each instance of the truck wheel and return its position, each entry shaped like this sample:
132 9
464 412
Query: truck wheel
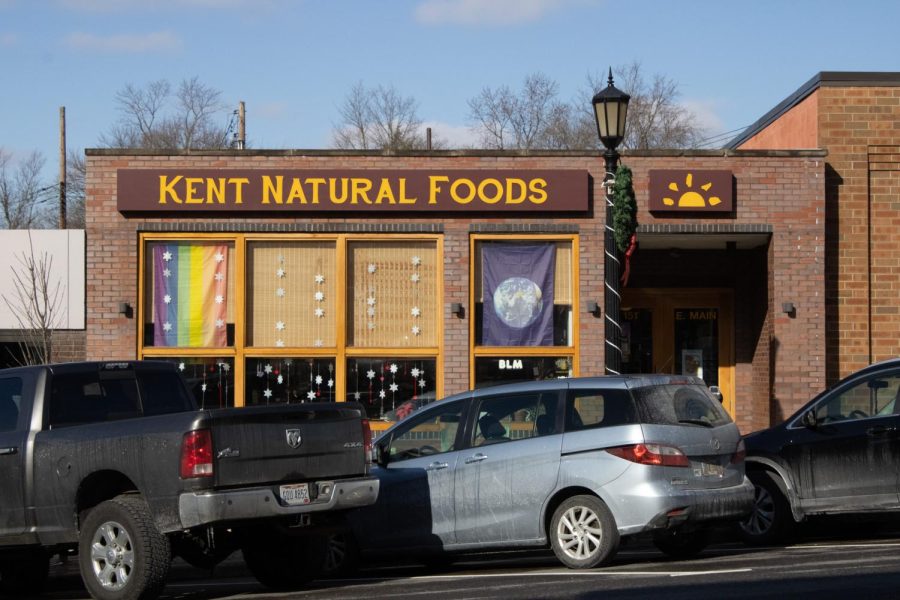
771 521
679 543
583 533
121 554
26 574
285 563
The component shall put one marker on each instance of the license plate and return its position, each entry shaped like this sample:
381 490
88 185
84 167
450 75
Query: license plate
295 494
711 470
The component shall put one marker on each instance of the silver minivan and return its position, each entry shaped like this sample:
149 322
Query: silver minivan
574 463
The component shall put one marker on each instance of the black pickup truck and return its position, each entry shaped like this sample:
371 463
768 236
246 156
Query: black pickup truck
114 460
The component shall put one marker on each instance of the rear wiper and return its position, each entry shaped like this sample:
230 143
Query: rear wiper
696 422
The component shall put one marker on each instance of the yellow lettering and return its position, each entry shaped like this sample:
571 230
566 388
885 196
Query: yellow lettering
296 191
191 190
433 187
238 183
385 192
538 189
515 191
497 195
272 189
332 190
316 182
215 190
462 199
361 189
403 198
168 189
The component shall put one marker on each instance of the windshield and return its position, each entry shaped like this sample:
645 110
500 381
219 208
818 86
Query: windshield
674 404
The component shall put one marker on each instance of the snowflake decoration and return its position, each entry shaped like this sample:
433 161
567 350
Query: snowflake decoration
318 380
280 292
382 394
393 368
279 272
370 311
220 323
370 374
320 312
414 278
167 256
167 273
220 299
415 330
267 393
415 371
225 367
311 395
267 368
416 261
280 379
319 343
202 387
394 387
415 311
181 366
372 268
371 325
320 279
219 257
219 277
330 383
421 383
279 325
356 395
279 343
167 326
320 296
167 298
370 300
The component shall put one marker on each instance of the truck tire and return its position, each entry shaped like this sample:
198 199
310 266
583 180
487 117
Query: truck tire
583 533
26 574
342 555
680 543
285 563
771 521
121 553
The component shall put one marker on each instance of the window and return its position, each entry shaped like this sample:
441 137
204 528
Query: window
586 409
674 403
209 380
514 417
873 397
10 402
289 380
432 432
390 388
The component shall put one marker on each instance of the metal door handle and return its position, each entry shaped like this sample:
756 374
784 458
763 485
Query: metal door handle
880 430
477 458
9 450
436 466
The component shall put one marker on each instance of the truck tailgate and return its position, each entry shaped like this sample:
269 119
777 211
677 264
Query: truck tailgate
293 443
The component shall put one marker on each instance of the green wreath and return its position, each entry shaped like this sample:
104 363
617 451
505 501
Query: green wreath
624 208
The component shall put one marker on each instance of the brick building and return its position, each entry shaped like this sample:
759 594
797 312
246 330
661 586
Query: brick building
331 275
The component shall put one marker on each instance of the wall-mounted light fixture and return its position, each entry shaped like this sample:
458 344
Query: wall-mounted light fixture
125 309
593 307
789 309
457 309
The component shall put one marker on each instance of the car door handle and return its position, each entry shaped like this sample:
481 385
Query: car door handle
476 458
9 450
436 466
880 430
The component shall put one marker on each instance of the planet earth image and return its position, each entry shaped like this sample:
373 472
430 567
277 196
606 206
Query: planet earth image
518 302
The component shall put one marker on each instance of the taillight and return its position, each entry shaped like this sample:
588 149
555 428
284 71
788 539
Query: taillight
739 454
196 454
651 454
367 440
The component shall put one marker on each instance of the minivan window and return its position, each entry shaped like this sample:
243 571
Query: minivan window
430 432
674 404
514 417
586 409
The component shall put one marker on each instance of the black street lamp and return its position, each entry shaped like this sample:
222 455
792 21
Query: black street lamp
610 108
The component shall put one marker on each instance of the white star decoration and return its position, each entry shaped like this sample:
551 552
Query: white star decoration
280 292
267 368
320 312
320 279
220 323
415 371
318 380
416 330
167 273
393 368
280 379
181 366
319 296
414 278
167 256
167 326
370 311
311 395
319 343
217 277
203 387
330 382
372 268
167 298
279 325
279 273
356 395
416 261
219 257
267 393
371 325
370 374
225 367
370 300
394 387
415 311
382 394
421 383
279 343
220 299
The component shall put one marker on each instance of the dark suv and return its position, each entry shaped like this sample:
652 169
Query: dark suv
840 453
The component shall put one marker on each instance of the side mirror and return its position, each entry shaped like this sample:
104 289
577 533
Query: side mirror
809 419
717 392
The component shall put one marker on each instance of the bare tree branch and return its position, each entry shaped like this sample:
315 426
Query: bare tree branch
378 118
23 200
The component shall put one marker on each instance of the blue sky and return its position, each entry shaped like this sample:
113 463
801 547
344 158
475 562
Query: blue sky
293 61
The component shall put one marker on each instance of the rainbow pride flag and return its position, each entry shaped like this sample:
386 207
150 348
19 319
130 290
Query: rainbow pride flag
189 294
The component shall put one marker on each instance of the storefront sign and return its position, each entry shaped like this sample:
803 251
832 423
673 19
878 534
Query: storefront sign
177 191
691 191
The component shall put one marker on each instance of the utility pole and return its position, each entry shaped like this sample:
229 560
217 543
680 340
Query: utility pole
62 167
242 126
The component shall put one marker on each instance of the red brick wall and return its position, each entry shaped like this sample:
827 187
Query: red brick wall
797 128
784 191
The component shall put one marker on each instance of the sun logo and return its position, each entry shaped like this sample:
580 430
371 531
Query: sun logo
690 198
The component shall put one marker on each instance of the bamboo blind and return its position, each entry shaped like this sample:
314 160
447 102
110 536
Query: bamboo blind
562 277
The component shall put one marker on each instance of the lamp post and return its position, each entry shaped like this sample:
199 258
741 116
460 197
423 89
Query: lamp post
610 108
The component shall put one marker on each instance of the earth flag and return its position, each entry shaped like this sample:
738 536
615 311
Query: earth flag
518 294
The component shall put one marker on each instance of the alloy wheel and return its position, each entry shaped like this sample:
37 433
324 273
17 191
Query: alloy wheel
112 555
580 532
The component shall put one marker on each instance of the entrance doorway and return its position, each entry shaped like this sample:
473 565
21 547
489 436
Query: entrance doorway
681 331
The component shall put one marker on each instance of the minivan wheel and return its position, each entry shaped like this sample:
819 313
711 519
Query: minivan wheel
583 533
681 543
771 520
